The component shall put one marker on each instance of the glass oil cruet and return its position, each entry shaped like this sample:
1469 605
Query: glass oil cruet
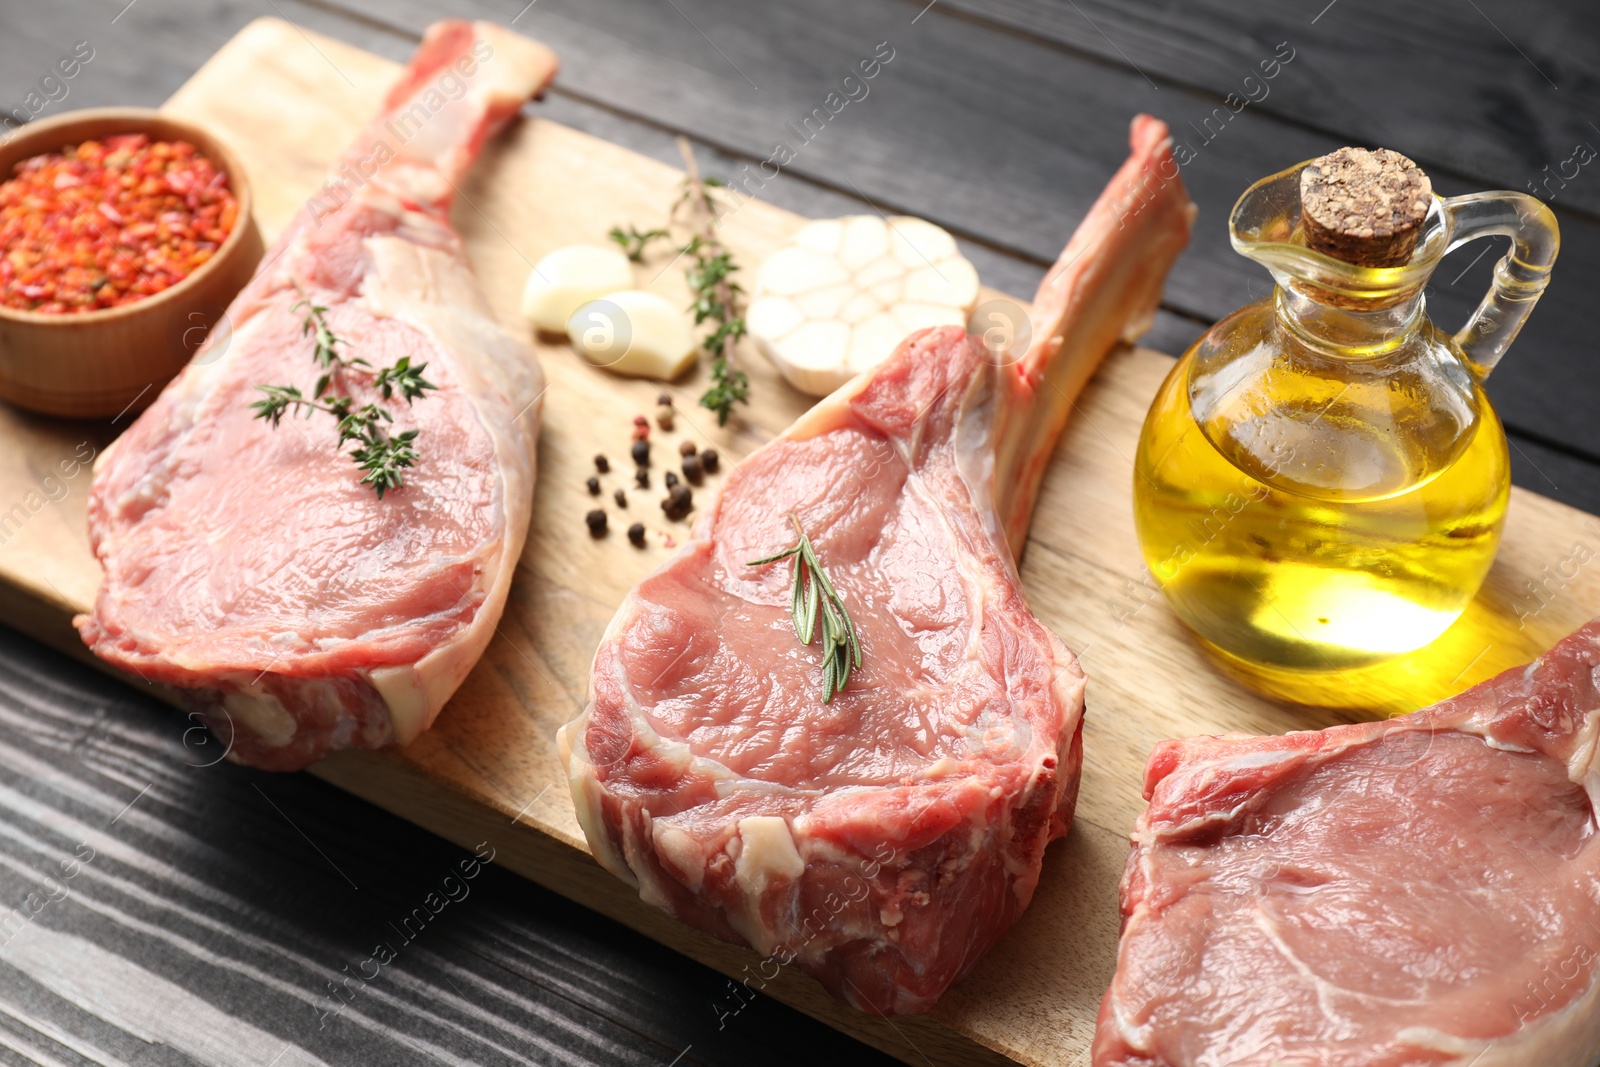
1321 482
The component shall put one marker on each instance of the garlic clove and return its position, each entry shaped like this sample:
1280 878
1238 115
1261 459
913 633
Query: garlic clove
634 332
569 277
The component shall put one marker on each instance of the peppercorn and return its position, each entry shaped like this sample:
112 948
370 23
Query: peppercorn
641 453
601 463
641 478
621 498
597 523
664 399
678 502
692 470
664 416
641 429
594 485
709 460
686 448
670 480
636 534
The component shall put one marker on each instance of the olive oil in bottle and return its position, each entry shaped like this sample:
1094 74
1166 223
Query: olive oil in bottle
1321 482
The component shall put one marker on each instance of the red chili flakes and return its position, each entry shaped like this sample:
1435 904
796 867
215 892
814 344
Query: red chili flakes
109 222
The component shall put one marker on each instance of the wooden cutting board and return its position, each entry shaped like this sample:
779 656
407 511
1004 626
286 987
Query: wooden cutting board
288 101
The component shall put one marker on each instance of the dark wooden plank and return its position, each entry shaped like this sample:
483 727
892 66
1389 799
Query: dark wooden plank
1496 89
1547 468
204 911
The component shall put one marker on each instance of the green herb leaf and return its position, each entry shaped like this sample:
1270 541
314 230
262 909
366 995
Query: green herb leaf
379 455
633 242
812 595
715 296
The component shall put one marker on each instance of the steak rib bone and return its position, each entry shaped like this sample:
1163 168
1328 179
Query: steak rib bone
885 840
1104 288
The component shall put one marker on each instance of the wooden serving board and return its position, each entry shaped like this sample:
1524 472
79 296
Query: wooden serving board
287 101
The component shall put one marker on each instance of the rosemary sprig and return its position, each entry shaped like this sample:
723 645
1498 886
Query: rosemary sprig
379 453
814 597
717 298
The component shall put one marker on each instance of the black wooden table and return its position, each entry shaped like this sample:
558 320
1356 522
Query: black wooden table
154 909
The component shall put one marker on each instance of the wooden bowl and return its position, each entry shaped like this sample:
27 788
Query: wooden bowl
99 364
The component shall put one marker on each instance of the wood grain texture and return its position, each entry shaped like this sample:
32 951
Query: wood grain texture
289 101
1516 76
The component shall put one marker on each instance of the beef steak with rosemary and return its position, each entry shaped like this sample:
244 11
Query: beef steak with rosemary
873 807
318 563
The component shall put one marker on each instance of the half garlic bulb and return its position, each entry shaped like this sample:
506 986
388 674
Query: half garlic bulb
634 332
843 293
570 277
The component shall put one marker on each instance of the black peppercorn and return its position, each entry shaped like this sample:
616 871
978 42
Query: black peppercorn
670 480
664 399
594 485
641 453
621 498
678 502
692 470
636 534
686 448
601 463
641 478
597 523
709 460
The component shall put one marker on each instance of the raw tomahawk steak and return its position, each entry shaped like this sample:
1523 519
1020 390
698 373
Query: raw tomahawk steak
1422 891
882 842
248 566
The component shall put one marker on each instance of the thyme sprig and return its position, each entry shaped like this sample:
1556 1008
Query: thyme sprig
382 455
717 298
633 242
813 597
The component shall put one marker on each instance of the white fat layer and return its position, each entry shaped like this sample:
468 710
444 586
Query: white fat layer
766 856
407 700
683 853
261 713
1583 767
587 795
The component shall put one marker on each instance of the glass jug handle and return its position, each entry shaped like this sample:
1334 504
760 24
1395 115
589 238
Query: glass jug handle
1519 278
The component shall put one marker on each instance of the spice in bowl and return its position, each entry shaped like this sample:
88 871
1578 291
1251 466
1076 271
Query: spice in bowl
108 222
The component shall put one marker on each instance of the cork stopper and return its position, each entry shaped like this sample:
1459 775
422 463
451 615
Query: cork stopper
1364 206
